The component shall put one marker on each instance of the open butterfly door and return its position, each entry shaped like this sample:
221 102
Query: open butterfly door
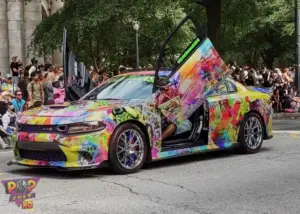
77 80
194 76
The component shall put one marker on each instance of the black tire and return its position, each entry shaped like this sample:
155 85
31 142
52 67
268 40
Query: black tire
114 163
243 147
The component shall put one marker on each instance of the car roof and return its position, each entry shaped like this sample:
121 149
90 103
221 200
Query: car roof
147 73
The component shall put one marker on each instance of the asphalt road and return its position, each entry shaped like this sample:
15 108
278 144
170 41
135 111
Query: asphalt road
286 125
219 182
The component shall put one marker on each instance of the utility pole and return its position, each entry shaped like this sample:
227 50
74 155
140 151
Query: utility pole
297 26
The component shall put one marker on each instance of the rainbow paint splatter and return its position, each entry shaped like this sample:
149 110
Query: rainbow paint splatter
194 83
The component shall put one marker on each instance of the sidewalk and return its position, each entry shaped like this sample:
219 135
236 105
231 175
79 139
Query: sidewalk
286 116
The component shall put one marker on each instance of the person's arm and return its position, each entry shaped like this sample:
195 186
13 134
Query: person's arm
29 87
42 92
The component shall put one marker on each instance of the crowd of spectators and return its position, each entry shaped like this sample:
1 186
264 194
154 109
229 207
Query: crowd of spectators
23 88
281 81
37 84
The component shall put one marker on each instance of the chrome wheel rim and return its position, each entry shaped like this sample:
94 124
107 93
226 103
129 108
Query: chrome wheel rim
130 149
253 133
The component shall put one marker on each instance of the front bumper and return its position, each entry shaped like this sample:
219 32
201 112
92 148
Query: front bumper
76 152
96 166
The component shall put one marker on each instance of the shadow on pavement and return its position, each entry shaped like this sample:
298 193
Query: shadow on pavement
102 172
54 173
215 155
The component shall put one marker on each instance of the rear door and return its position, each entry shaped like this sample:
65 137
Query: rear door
194 76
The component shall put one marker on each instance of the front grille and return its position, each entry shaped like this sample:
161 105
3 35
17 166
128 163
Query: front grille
43 155
38 128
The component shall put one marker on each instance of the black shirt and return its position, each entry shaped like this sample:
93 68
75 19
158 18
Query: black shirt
16 66
23 87
3 107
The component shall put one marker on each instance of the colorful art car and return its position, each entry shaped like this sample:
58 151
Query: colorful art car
123 122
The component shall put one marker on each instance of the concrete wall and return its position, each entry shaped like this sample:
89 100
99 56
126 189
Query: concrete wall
15 28
4 58
32 17
57 55
17 23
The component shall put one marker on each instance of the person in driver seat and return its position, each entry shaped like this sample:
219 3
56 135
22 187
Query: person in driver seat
168 127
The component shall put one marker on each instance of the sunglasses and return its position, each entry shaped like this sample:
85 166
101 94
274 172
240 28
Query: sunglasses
19 94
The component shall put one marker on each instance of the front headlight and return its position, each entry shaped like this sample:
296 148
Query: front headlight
86 127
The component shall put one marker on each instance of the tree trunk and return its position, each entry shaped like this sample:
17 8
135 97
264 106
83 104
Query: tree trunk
213 8
269 58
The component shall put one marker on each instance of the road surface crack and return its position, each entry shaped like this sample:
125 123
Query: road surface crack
155 200
165 183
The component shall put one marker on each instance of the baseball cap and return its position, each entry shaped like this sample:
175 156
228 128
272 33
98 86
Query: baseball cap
7 76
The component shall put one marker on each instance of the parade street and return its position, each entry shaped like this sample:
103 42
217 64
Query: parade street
218 182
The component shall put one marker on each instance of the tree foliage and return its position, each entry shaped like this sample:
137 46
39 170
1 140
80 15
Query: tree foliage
101 31
255 31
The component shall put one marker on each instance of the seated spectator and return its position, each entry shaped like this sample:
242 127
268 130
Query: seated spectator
292 102
6 97
18 102
7 84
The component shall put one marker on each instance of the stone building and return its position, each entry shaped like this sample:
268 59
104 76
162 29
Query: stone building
18 21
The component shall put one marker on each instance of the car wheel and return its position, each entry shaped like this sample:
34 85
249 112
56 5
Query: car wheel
127 149
251 134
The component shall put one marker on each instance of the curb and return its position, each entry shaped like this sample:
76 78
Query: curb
285 132
284 116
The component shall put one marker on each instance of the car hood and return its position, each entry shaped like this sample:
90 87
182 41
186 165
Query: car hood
73 112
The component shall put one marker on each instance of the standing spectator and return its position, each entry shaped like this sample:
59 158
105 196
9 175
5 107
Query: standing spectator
41 69
285 76
35 91
276 103
48 64
33 67
21 68
122 70
15 69
58 73
269 78
24 82
95 78
1 79
91 69
48 87
18 102
292 71
104 77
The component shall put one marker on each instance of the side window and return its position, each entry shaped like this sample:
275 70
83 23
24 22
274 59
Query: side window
221 89
231 87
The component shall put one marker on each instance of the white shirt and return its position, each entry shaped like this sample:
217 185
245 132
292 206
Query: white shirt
32 69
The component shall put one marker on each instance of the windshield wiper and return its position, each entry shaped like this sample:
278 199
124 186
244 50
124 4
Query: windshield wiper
109 99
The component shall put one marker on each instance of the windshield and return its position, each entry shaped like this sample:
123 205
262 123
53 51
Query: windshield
123 88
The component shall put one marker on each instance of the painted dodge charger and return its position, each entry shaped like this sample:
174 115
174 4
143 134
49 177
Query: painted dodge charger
121 121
